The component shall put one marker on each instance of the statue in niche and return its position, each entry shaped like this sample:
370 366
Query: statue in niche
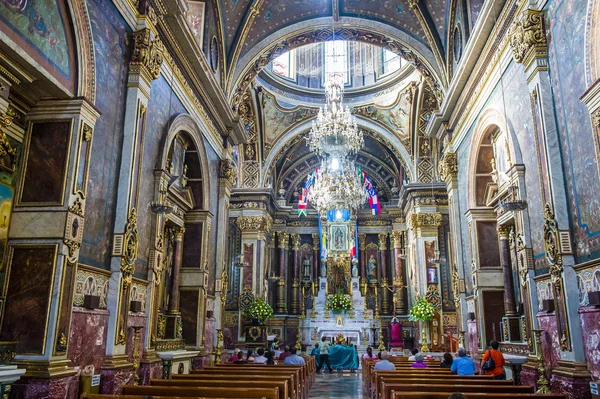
371 269
494 172
306 267
323 268
354 270
266 290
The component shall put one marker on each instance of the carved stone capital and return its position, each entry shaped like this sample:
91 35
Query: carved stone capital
425 220
528 37
283 239
502 232
295 242
316 241
254 223
397 234
382 241
448 166
147 54
227 171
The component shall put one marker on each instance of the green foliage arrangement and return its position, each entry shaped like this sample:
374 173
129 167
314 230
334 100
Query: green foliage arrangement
422 310
261 310
339 303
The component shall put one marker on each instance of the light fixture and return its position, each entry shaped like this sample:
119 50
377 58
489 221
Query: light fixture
240 262
512 202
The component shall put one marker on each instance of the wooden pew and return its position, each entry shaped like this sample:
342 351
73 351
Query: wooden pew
281 385
444 395
222 392
288 379
258 370
387 388
105 396
303 380
424 381
419 374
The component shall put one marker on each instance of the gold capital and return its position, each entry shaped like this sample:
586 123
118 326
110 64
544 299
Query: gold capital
528 37
382 241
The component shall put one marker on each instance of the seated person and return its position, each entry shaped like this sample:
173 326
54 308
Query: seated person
241 359
463 365
447 362
419 362
285 353
234 357
370 355
249 357
293 358
384 364
260 358
270 359
414 351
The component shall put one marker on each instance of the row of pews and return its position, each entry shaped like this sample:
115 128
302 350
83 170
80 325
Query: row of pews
437 383
243 381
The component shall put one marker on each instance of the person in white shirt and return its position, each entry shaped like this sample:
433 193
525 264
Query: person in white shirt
414 352
384 364
324 355
260 358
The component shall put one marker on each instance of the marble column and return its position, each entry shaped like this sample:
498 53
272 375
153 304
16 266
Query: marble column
385 293
283 243
398 272
510 308
362 238
177 262
316 253
295 303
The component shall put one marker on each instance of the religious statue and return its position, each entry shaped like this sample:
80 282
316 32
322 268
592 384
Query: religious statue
323 269
306 266
266 290
354 270
396 295
372 267
494 172
338 239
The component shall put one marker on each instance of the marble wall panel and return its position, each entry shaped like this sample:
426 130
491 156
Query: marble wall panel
45 168
192 246
209 334
550 342
87 343
487 237
590 325
215 208
111 48
28 298
189 315
55 388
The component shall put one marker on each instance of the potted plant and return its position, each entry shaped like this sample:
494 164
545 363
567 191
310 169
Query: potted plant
259 311
339 302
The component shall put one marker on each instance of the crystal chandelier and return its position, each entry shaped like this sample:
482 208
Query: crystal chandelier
335 131
337 186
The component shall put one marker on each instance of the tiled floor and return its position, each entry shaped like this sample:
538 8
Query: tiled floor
337 385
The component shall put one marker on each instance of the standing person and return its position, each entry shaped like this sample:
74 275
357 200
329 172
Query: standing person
260 358
463 365
384 364
447 362
324 355
499 362
419 362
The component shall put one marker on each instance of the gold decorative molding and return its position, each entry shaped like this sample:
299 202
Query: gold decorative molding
528 37
227 171
283 239
77 207
316 241
397 234
147 55
6 149
362 239
382 241
425 220
596 118
448 166
295 242
256 223
130 248
502 232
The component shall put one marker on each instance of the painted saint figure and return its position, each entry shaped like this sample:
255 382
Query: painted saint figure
306 266
372 267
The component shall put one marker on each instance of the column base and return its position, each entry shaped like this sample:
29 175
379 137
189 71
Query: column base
150 367
50 388
572 379
529 373
115 373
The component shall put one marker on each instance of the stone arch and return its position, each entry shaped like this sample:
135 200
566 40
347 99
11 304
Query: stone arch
319 30
86 62
592 42
185 123
404 159
487 122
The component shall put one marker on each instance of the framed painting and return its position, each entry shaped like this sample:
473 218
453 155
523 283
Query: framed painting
338 238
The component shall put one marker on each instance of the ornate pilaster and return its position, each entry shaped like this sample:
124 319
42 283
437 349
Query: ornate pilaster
254 229
425 224
316 249
510 308
528 40
283 239
177 263
399 304
295 303
385 304
362 240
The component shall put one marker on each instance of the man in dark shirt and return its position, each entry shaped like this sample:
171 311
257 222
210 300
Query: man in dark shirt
285 354
240 360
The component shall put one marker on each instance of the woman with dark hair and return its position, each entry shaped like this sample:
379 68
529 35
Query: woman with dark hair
270 360
497 361
447 362
249 357
369 354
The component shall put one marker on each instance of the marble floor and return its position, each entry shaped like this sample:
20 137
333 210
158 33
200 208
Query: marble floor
338 385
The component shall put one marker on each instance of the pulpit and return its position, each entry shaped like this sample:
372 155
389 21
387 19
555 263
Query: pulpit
395 329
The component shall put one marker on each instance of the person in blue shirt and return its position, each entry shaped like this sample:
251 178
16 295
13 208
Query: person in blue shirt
384 364
294 359
463 365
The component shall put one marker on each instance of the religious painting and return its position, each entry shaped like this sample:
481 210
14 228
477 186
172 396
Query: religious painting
338 238
195 20
6 202
432 276
371 266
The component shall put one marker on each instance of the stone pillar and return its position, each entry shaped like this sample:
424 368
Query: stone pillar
362 238
385 297
510 308
283 243
177 262
316 253
398 273
45 233
295 280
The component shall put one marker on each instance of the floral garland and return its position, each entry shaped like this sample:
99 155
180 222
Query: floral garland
260 309
422 310
339 303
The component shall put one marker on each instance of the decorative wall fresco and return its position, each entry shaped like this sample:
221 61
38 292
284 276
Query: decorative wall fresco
588 279
138 292
40 28
90 282
278 119
195 17
544 290
163 106
566 32
111 50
